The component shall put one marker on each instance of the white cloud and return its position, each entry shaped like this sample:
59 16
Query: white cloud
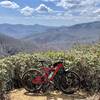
87 2
73 4
49 0
85 8
27 11
97 11
42 8
9 4
64 14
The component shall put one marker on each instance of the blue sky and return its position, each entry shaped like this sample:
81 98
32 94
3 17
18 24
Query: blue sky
49 12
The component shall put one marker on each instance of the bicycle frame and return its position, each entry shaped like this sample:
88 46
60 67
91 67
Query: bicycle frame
38 80
60 65
56 75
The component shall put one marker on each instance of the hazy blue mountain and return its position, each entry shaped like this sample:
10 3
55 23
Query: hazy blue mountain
63 37
47 37
20 31
11 46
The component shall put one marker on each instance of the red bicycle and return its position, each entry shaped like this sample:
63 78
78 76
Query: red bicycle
57 76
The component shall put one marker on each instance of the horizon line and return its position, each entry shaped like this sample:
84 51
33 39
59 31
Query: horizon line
50 25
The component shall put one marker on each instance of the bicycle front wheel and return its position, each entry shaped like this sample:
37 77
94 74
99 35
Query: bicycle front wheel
70 82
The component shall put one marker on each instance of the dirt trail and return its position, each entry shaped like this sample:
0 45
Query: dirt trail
23 95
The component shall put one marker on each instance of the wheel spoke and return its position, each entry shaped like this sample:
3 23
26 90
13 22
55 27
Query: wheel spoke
27 80
70 82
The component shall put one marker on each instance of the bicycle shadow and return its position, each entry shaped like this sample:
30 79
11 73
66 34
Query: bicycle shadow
57 96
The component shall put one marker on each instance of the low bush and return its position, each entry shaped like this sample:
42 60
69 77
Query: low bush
85 60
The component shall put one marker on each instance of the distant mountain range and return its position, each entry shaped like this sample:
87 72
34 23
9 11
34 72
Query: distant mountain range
20 31
11 46
40 37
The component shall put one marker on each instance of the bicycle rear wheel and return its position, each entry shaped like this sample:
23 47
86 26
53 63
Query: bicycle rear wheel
27 79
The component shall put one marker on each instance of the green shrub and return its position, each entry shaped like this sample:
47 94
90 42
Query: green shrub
85 60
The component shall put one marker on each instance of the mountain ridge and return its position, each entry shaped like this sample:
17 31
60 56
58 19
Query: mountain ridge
41 37
11 46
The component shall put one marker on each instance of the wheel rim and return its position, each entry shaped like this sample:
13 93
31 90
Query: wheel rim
27 81
70 82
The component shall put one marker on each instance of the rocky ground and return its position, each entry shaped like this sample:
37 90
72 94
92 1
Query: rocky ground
23 95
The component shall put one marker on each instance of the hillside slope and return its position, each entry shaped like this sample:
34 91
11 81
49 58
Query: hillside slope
11 46
63 37
20 30
56 38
